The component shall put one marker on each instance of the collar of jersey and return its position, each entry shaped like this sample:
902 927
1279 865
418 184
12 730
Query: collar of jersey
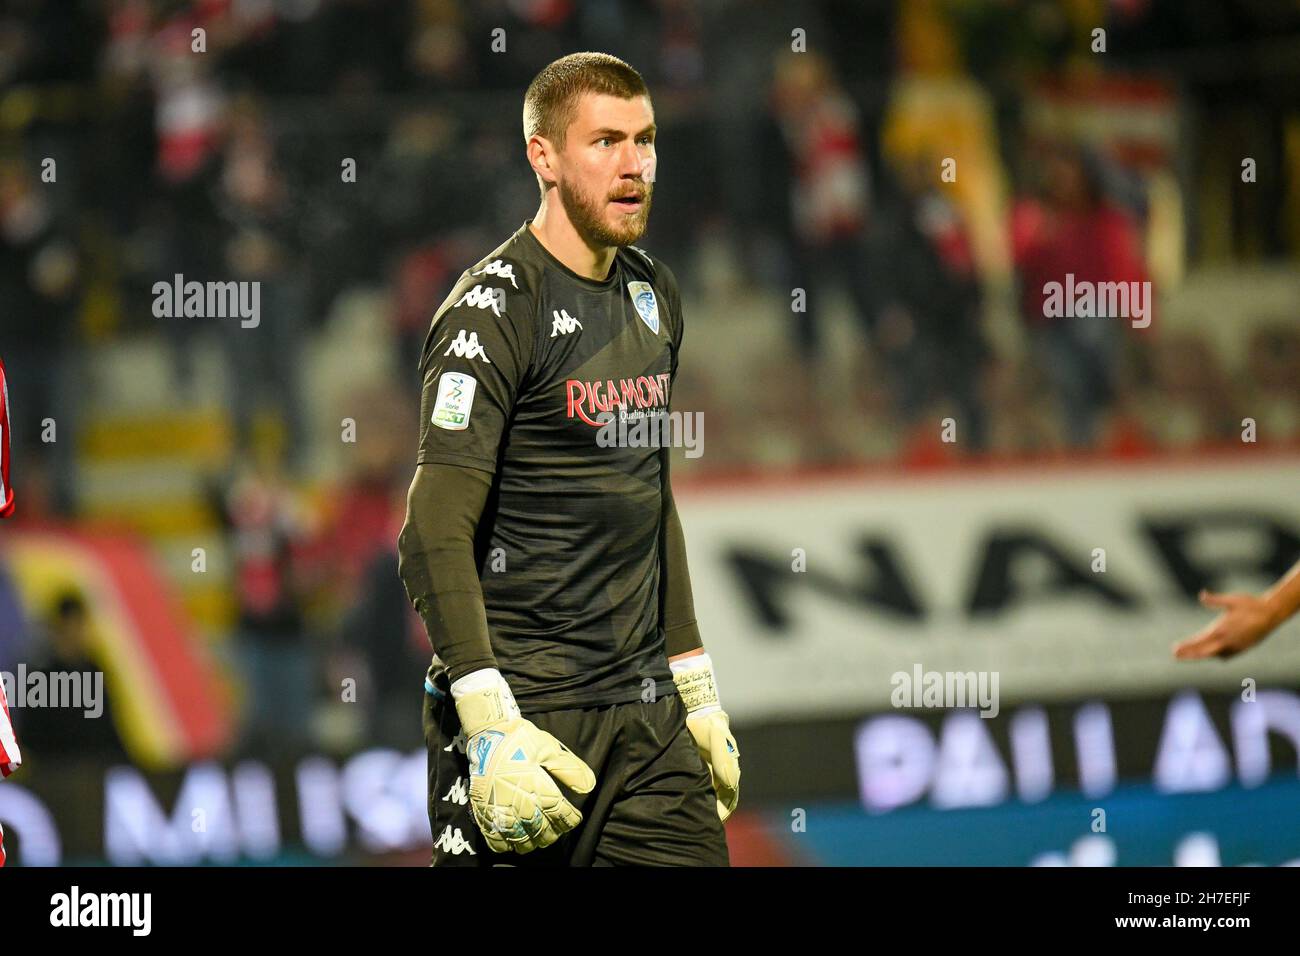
610 281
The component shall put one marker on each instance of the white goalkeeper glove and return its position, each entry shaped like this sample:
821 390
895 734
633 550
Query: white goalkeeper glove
709 725
514 799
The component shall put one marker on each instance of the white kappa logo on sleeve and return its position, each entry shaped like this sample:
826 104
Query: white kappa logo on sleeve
455 398
498 268
467 346
484 297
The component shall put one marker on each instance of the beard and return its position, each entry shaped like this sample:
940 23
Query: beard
588 217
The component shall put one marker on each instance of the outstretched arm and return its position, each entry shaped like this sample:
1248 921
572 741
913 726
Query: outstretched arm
1246 619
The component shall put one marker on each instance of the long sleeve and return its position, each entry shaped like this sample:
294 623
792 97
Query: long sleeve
677 605
437 564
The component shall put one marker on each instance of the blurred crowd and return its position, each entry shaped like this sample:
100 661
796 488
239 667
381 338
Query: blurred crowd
230 163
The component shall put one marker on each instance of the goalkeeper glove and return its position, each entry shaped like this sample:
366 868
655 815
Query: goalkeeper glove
514 799
708 724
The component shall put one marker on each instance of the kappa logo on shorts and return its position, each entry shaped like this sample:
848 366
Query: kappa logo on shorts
457 793
457 743
452 841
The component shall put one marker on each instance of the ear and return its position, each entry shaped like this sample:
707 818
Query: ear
541 154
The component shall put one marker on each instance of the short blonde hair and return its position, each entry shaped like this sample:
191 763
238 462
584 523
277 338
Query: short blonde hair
551 103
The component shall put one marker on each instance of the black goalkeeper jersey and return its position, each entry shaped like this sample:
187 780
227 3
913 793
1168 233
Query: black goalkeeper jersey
524 362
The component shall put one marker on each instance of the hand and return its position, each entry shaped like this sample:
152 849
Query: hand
709 726
1246 620
712 733
513 767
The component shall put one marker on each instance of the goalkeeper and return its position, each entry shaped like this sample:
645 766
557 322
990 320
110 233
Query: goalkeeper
571 713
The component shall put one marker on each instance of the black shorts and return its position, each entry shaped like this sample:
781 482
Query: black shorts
653 804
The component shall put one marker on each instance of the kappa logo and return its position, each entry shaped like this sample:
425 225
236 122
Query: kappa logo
452 841
484 297
563 323
496 267
457 793
458 743
466 345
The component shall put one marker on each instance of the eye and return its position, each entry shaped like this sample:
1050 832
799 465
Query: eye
603 140
646 140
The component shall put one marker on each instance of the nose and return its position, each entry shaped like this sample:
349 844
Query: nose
631 161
